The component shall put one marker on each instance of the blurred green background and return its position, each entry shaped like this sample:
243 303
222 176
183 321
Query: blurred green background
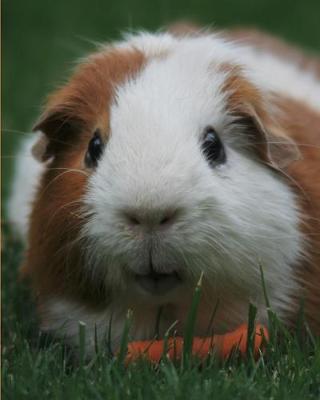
42 38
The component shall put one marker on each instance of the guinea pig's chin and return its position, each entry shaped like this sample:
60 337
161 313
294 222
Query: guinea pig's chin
157 284
156 294
156 287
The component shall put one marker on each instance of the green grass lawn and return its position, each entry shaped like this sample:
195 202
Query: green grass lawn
41 39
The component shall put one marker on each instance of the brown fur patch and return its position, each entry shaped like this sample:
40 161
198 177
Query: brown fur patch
266 42
54 259
82 105
303 126
252 108
240 92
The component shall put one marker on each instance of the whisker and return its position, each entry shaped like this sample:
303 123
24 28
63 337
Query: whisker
295 183
68 169
290 144
33 134
60 175
16 156
24 133
71 203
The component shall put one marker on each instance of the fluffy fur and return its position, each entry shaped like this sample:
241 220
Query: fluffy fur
152 96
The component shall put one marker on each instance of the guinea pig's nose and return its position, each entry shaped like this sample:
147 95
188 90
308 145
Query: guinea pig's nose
151 218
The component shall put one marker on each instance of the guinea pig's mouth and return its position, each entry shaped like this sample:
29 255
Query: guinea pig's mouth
158 284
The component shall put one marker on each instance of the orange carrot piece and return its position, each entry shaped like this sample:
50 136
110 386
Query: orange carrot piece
222 345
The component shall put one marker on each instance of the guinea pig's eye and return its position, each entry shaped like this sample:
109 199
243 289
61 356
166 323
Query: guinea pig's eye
212 147
95 149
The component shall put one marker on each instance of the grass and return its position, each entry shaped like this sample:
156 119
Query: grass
40 41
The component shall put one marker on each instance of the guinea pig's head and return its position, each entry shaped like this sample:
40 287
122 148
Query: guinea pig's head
164 161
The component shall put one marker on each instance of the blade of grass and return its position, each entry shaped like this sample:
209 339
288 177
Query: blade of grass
190 324
108 339
125 338
264 287
251 330
166 339
157 326
96 343
271 316
82 343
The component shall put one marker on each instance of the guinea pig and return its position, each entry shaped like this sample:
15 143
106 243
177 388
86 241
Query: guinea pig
166 157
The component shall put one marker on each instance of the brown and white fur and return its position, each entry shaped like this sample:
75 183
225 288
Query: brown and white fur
91 231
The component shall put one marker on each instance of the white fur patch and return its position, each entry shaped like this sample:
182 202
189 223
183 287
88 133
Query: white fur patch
263 68
26 179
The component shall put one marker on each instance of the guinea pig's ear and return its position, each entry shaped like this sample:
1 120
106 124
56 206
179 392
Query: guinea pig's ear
260 116
40 148
274 144
57 125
